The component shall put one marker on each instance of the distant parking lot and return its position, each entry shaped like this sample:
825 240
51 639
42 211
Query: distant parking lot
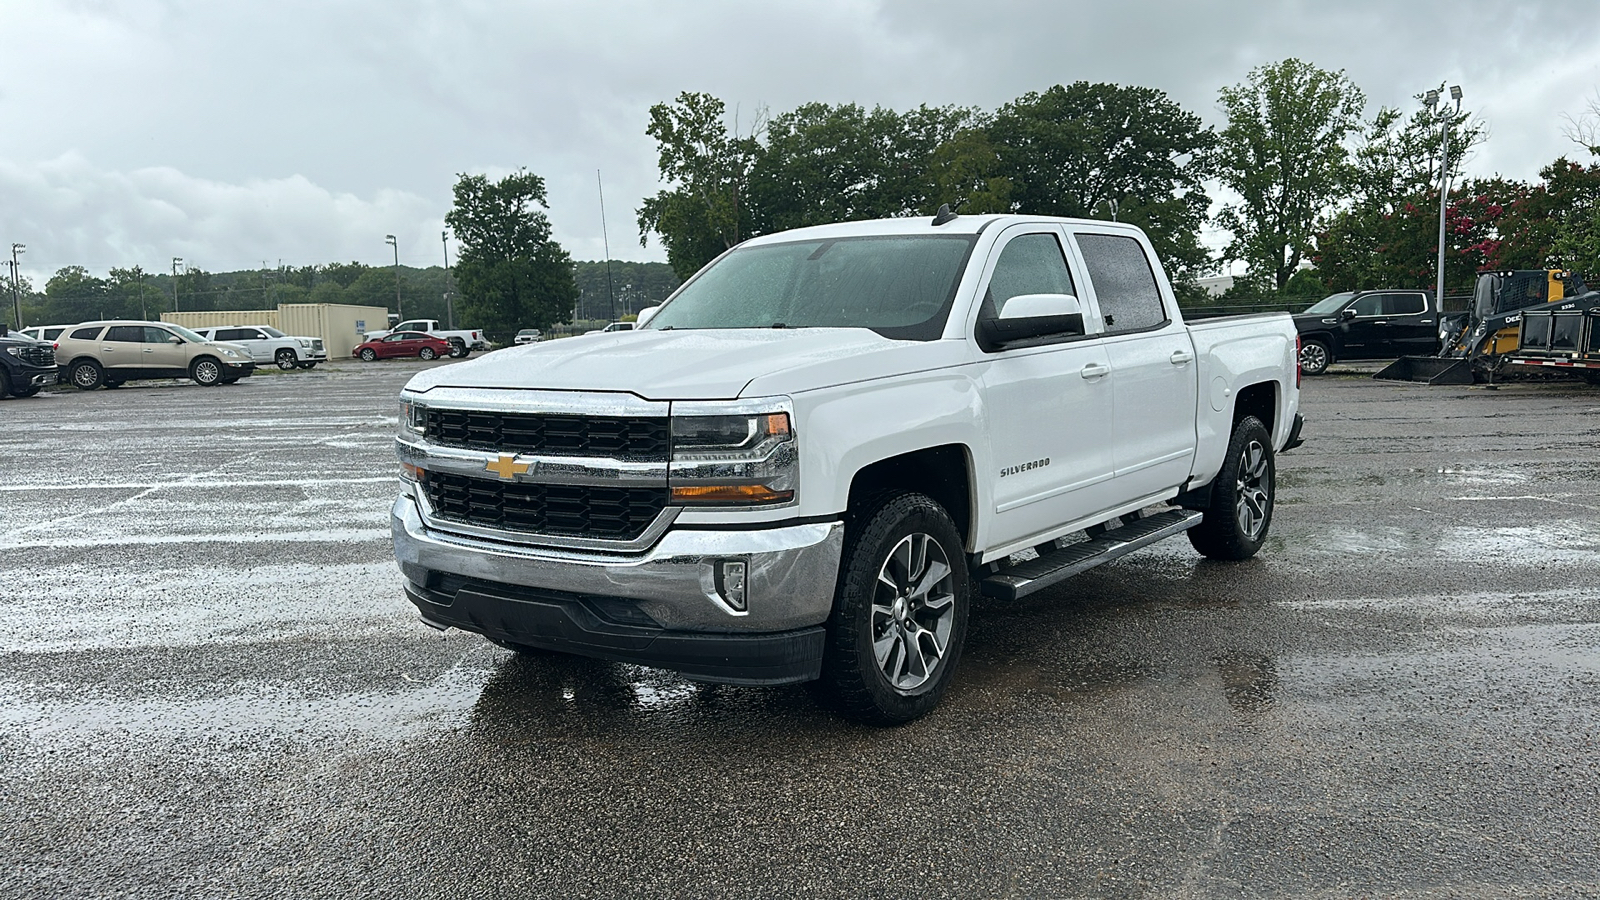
210 685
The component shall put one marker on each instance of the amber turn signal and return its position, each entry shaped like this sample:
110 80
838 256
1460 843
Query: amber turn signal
729 494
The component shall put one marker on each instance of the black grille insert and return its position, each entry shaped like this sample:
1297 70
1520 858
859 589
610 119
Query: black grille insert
37 355
552 435
567 510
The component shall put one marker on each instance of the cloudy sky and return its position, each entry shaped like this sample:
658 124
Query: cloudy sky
231 133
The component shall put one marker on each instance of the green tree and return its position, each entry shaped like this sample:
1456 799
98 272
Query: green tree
701 213
73 295
1283 152
965 172
1074 150
823 163
511 271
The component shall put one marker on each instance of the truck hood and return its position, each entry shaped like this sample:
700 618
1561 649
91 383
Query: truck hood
696 365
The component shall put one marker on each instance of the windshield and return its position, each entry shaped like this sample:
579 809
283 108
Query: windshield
273 331
1329 304
899 286
186 334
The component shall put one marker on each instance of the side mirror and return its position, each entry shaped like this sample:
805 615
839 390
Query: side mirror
1347 314
645 315
174 340
1031 316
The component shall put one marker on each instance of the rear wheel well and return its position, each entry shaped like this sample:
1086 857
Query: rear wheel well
942 473
1259 400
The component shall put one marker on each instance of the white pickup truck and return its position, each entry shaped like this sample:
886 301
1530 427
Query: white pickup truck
462 340
805 461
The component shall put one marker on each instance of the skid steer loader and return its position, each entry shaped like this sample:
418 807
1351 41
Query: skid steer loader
1473 344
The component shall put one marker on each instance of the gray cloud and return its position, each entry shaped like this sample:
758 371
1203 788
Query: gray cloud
134 131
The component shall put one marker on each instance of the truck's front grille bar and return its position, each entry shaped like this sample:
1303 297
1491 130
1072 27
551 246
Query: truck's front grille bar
636 438
608 513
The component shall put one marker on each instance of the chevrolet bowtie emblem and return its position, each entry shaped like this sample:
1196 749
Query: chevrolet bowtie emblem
507 467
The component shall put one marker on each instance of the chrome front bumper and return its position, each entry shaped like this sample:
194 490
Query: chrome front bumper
791 570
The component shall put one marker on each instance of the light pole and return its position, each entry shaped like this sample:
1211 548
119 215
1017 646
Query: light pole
175 261
389 239
449 308
1430 100
16 282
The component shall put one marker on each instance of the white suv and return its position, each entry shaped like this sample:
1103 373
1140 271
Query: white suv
269 345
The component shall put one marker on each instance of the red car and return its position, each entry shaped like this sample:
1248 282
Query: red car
403 343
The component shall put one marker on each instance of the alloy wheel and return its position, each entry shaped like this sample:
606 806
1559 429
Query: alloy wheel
1251 490
913 611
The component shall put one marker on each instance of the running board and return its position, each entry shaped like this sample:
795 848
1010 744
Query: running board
1037 574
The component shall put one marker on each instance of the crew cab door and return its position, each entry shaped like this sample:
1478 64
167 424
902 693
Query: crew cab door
1153 378
1047 400
1412 327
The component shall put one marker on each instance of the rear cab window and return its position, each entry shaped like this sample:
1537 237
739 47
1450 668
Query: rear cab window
1124 283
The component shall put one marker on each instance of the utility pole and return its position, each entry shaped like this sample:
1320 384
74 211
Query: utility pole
449 308
16 282
1445 115
611 298
175 261
389 239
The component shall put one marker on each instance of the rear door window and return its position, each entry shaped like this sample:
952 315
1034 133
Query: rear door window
1124 282
1404 304
126 334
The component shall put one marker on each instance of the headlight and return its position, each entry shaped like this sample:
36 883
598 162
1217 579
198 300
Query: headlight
413 419
305 343
733 460
14 351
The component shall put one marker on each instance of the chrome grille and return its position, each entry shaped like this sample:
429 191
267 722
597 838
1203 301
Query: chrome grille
551 435
606 513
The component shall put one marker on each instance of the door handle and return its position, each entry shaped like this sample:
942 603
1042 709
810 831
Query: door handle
1179 357
1380 323
1095 370
149 350
107 349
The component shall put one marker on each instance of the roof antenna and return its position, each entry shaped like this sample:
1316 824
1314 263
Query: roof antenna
943 215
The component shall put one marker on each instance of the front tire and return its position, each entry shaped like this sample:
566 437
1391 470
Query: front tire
1315 358
206 372
308 365
1240 509
286 359
428 353
900 611
368 355
5 385
87 375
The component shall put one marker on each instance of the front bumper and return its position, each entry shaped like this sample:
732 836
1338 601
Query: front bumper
665 600
42 377
239 369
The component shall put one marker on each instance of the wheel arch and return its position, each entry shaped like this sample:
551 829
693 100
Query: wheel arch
943 473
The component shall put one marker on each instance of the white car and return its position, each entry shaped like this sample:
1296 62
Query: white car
528 336
269 345
50 333
803 461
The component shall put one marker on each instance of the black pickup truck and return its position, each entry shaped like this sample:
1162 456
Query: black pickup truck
26 365
1367 325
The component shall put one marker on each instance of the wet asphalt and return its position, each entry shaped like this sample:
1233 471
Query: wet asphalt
211 686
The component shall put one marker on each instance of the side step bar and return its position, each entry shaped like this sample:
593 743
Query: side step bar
1037 574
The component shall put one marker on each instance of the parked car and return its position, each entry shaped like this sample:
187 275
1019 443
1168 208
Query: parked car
403 343
112 352
796 470
465 339
1367 325
269 345
44 332
26 364
614 326
527 336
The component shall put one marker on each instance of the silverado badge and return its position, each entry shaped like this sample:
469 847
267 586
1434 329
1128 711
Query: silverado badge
507 467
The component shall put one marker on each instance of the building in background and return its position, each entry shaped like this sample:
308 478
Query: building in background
340 326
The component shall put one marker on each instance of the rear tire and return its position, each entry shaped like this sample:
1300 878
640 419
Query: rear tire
87 375
900 611
26 392
1314 358
1592 377
206 372
286 359
1240 512
428 353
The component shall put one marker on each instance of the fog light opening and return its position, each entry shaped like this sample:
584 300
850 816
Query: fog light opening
731 583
